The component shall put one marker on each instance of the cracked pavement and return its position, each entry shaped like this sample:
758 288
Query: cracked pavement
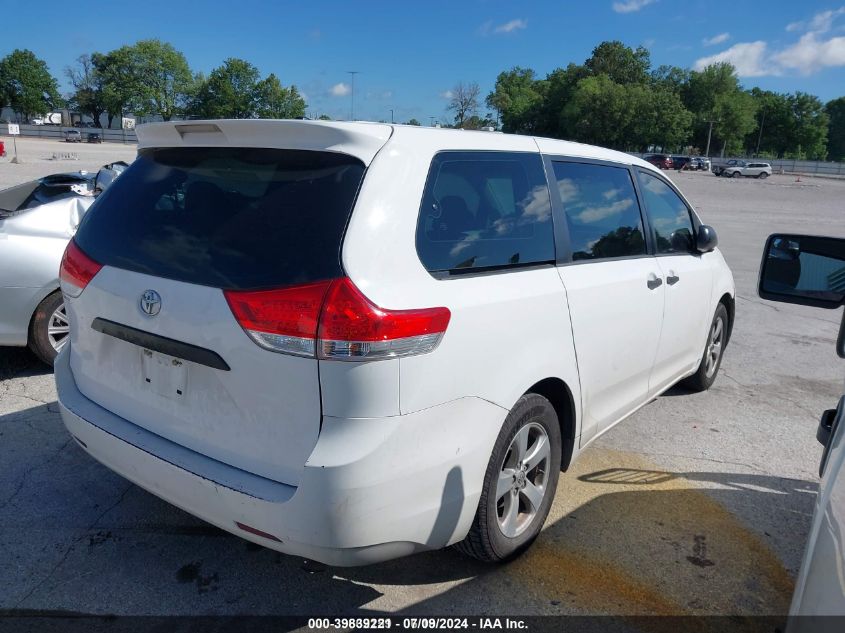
699 503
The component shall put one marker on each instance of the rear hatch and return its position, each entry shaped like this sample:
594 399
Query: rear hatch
154 339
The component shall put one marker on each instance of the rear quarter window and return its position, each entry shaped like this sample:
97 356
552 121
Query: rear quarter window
238 218
483 210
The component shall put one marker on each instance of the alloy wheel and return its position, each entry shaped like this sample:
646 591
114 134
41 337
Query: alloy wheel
523 479
58 328
714 347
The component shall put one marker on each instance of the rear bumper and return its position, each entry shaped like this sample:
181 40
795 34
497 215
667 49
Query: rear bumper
373 488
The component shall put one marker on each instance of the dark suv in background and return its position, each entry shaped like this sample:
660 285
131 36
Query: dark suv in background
662 161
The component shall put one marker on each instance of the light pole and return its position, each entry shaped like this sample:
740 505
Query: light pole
760 135
391 115
352 73
432 120
709 133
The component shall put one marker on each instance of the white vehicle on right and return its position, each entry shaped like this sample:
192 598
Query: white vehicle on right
810 271
737 168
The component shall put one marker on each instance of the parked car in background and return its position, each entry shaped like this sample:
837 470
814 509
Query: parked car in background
810 270
266 369
742 168
95 137
702 163
737 167
720 165
37 219
682 163
73 136
661 161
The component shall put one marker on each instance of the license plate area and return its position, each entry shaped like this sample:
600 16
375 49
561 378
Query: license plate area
165 375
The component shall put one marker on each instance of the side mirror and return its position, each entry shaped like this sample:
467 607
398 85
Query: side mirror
803 269
706 239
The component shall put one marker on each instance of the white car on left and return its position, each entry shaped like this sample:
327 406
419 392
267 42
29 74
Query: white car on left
37 219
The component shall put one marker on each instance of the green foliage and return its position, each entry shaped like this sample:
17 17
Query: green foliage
414 122
324 117
119 83
517 98
836 129
229 92
161 78
791 124
619 62
714 94
234 91
87 97
274 101
26 84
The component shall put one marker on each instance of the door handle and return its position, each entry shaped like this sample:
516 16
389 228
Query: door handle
672 278
653 281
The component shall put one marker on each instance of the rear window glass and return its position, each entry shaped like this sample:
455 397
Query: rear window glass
485 210
226 217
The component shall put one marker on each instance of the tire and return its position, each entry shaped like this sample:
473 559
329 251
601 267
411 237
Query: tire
494 538
708 369
734 174
48 330
763 175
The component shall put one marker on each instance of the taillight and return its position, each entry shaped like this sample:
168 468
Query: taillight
354 328
334 320
283 320
77 270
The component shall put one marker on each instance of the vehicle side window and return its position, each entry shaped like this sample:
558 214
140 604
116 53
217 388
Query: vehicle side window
668 215
601 211
485 209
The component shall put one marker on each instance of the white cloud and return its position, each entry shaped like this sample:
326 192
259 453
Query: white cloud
811 54
340 90
716 39
487 28
510 27
447 94
821 22
629 6
748 58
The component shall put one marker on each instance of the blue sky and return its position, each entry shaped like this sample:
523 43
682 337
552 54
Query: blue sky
410 54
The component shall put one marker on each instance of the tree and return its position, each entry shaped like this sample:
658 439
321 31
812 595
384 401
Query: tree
273 101
517 99
88 88
464 101
621 63
119 83
556 91
714 94
26 85
671 78
229 92
161 77
324 117
600 112
836 129
414 122
809 126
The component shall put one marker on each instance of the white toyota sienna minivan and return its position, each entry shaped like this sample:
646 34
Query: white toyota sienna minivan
352 341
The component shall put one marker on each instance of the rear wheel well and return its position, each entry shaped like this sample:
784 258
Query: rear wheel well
730 305
558 394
